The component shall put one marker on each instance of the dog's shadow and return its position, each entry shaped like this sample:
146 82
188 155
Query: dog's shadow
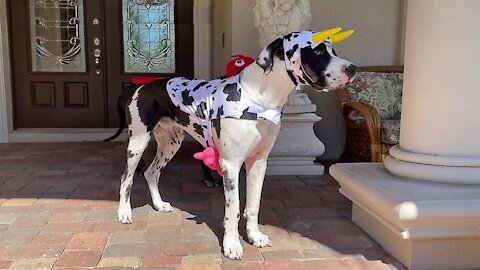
291 208
328 226
196 202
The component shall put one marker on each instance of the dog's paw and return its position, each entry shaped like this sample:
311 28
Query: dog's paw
259 240
232 248
125 214
163 206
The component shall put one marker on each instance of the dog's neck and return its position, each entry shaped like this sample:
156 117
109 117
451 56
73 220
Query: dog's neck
270 89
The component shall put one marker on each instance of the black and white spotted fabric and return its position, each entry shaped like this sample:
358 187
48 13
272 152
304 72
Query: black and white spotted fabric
222 98
292 44
216 99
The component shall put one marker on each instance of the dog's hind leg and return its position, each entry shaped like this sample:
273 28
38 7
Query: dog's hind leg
255 167
169 140
139 136
136 145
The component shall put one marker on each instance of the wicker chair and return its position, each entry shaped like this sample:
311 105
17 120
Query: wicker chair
371 123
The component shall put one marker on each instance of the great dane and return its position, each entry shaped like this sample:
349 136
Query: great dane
240 116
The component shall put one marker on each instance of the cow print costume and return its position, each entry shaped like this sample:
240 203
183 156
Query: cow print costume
224 98
216 99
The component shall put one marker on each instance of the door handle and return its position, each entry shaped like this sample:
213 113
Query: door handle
97 53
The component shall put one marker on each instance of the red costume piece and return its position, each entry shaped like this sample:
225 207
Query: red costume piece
237 64
145 79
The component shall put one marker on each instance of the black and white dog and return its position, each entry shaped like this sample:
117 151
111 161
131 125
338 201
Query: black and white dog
240 116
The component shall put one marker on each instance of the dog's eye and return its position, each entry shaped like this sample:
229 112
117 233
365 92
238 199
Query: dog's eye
239 63
321 49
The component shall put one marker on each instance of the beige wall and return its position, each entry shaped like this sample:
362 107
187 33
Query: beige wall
379 26
222 35
244 33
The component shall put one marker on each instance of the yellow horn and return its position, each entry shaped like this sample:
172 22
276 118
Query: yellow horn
321 36
341 36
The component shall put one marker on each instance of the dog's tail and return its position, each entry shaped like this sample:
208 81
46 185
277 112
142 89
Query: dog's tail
121 125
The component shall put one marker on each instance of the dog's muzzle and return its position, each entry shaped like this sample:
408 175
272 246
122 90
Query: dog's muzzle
350 72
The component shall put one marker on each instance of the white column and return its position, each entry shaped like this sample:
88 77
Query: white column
202 20
418 205
440 129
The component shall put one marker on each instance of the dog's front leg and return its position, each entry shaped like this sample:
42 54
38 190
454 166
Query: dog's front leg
232 248
256 168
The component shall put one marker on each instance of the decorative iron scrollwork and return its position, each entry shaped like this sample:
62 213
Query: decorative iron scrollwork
57 35
63 59
149 36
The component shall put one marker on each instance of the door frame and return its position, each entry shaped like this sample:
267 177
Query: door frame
202 12
6 121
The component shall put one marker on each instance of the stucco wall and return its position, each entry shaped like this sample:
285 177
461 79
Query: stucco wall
244 33
378 25
378 40
222 35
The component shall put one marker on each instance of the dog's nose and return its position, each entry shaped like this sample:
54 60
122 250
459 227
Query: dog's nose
350 70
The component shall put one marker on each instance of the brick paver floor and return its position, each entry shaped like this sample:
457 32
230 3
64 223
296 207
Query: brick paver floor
58 210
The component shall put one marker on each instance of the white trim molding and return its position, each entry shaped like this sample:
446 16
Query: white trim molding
202 23
5 82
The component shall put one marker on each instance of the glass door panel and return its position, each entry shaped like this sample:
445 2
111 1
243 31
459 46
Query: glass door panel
148 36
57 35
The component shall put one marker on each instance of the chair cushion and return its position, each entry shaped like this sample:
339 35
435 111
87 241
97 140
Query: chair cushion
391 131
381 90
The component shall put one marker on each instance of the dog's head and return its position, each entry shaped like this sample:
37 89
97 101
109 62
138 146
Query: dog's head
310 59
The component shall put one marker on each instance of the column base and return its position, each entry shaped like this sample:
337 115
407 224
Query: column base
296 147
293 166
455 170
424 225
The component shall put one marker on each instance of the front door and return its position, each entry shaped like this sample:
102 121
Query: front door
72 58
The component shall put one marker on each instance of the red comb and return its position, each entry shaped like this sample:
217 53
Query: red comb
145 79
232 69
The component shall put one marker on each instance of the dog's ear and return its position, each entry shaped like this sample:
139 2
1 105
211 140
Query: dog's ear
265 59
